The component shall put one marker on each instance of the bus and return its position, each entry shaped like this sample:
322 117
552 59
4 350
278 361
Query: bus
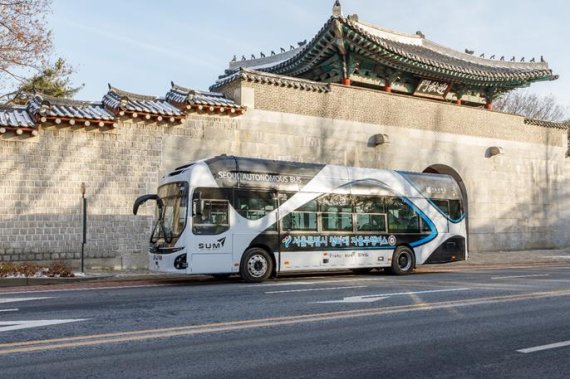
259 218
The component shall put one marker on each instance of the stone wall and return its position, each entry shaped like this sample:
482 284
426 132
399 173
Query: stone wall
517 200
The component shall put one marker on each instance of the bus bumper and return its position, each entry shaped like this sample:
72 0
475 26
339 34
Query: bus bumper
451 250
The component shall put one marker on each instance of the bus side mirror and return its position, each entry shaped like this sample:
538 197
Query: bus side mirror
143 199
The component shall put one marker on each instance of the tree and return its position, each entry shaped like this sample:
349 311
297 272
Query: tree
25 41
524 103
53 80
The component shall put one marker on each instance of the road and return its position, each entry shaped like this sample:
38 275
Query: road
500 322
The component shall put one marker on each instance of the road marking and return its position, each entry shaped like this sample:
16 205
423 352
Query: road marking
305 283
15 325
544 347
519 276
371 298
18 299
315 289
83 289
9 310
109 338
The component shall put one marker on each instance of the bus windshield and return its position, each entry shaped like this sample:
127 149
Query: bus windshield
174 213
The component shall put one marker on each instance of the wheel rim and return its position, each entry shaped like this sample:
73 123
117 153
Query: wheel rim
257 265
405 261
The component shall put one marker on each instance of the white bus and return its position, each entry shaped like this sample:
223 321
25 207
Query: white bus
258 218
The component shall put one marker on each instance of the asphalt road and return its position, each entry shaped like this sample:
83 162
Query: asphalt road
508 323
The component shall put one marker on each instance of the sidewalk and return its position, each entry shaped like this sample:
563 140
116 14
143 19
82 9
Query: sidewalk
487 259
518 257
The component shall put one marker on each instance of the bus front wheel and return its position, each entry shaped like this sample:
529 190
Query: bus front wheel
402 261
256 265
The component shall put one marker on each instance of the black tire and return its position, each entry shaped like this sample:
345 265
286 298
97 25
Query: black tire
403 261
256 265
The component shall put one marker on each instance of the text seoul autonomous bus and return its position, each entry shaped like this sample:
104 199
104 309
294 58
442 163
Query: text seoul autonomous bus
258 218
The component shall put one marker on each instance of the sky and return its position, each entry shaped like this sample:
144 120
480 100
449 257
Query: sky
141 46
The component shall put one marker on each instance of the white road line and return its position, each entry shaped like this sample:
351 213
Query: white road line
372 298
518 276
18 299
15 325
83 289
305 283
315 289
9 310
544 347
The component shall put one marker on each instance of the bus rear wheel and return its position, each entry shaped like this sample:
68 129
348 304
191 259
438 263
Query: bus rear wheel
256 265
403 261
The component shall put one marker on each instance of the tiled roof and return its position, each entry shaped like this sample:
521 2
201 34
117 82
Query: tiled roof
400 51
126 103
45 108
16 120
431 57
548 124
202 101
277 80
17 117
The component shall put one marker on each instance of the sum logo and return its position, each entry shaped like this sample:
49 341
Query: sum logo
213 245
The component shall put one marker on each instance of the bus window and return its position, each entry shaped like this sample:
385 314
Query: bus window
255 204
336 212
451 208
370 214
455 209
212 218
442 205
401 217
210 211
303 218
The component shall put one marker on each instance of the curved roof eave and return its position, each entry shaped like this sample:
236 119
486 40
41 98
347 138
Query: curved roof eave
422 57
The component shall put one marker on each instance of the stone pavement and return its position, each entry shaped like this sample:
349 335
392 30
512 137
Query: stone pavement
487 259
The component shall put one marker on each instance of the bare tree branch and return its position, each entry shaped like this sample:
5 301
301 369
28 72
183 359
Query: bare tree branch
524 103
25 41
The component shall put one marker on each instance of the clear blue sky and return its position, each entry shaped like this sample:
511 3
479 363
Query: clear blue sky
141 45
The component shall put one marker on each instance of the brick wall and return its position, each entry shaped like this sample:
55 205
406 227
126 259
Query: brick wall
517 200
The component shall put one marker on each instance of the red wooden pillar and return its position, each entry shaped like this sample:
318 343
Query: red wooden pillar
346 81
388 86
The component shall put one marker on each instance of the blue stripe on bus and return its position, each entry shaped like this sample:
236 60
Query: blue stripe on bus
430 223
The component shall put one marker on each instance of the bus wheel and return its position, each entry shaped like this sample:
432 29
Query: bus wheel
402 261
256 265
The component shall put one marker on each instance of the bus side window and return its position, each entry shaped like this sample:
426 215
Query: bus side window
450 208
336 212
213 217
442 205
370 214
455 209
255 204
303 218
401 217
